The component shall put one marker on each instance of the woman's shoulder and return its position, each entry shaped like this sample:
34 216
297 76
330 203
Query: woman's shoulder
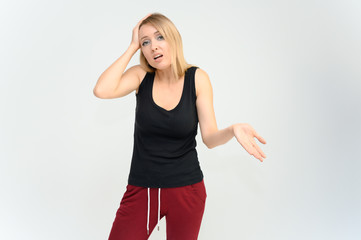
200 71
201 79
141 73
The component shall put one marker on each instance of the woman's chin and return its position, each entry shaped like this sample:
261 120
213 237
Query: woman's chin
161 66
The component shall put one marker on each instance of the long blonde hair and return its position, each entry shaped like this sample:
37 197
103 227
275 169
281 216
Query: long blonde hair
170 33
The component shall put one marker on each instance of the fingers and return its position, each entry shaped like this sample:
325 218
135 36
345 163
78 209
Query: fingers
257 148
144 18
255 152
249 144
261 139
147 16
135 37
254 144
137 26
252 148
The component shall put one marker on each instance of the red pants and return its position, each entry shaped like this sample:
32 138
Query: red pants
182 206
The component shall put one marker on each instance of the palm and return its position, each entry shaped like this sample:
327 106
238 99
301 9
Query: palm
245 135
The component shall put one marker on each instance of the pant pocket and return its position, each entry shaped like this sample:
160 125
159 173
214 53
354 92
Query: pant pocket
132 193
199 190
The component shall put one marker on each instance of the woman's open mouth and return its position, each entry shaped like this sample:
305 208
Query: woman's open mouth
158 58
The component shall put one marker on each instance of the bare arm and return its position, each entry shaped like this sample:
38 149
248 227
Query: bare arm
211 135
114 82
111 83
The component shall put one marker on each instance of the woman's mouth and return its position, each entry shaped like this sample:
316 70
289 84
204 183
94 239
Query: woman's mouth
158 58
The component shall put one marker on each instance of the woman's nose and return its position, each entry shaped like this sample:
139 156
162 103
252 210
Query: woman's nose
154 47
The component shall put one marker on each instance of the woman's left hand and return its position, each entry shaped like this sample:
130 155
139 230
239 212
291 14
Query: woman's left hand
245 135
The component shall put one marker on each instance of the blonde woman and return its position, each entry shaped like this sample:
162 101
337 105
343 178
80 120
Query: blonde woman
172 97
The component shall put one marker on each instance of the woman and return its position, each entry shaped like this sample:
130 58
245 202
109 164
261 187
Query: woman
172 98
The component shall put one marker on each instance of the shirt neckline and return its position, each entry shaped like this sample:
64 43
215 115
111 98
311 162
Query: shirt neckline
181 99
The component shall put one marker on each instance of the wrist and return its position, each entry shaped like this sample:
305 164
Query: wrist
232 130
134 47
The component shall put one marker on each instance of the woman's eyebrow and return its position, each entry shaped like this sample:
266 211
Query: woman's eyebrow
147 36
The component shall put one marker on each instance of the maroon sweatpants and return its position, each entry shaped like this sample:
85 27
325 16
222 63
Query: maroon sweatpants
183 208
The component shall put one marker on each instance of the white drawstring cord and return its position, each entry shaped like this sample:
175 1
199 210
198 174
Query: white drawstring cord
158 207
149 209
148 212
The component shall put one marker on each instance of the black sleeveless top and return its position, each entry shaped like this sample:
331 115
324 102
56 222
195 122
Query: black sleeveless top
164 150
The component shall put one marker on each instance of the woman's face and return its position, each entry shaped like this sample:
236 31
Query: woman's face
152 44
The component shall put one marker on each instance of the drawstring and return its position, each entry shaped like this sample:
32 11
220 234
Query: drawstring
158 207
148 213
149 209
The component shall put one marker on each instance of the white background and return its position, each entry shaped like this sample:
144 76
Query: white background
289 68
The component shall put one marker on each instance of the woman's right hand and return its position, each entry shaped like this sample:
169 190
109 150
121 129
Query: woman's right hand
135 37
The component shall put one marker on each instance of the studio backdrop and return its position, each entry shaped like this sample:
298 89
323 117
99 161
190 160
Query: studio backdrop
291 69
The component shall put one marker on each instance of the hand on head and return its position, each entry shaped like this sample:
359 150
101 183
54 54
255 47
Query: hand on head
135 37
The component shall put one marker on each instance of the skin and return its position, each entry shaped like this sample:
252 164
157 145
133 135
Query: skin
167 92
152 42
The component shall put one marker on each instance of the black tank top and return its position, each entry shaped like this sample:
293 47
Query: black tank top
164 150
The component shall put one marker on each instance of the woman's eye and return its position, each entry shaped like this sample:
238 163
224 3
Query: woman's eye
146 42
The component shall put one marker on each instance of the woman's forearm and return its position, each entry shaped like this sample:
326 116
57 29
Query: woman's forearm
219 137
109 79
